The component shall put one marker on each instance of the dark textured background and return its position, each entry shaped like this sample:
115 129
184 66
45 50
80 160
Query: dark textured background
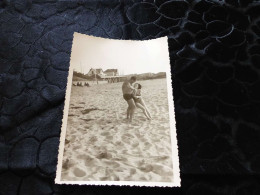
215 59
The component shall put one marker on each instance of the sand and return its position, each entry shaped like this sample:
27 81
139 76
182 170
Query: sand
101 145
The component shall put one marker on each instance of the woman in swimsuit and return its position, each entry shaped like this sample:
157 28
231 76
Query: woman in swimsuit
139 102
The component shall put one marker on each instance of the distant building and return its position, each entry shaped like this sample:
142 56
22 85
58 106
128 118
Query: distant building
111 72
97 71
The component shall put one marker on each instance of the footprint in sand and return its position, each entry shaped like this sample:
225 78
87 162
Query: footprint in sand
87 120
115 178
146 168
162 170
147 145
93 139
119 143
104 178
135 144
66 164
138 135
73 138
76 107
122 159
136 124
104 155
142 178
104 133
140 163
72 115
77 147
112 163
88 161
127 137
143 139
67 141
132 171
166 179
110 137
79 173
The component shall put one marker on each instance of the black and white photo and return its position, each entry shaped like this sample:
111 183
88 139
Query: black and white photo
119 124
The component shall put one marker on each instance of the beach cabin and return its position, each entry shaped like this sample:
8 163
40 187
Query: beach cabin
111 72
97 71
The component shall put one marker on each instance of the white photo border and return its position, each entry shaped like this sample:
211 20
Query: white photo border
175 156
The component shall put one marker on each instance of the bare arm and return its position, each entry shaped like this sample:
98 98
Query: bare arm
134 93
130 86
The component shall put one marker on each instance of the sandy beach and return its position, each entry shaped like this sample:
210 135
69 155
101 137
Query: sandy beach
101 145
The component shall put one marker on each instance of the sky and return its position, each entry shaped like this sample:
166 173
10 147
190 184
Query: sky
129 57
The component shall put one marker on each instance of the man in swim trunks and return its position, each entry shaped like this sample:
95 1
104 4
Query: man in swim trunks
128 90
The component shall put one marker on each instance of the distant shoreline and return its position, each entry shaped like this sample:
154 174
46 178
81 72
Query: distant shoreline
145 76
91 82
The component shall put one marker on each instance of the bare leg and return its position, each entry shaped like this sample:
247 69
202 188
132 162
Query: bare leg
131 105
128 112
144 105
138 105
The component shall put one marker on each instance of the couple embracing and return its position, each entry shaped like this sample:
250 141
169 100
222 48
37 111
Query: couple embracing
132 94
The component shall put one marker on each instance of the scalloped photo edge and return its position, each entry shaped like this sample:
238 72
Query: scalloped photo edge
176 180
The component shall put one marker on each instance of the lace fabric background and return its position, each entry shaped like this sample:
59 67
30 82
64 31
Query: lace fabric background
215 59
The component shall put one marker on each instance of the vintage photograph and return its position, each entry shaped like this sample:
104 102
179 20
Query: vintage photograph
119 124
